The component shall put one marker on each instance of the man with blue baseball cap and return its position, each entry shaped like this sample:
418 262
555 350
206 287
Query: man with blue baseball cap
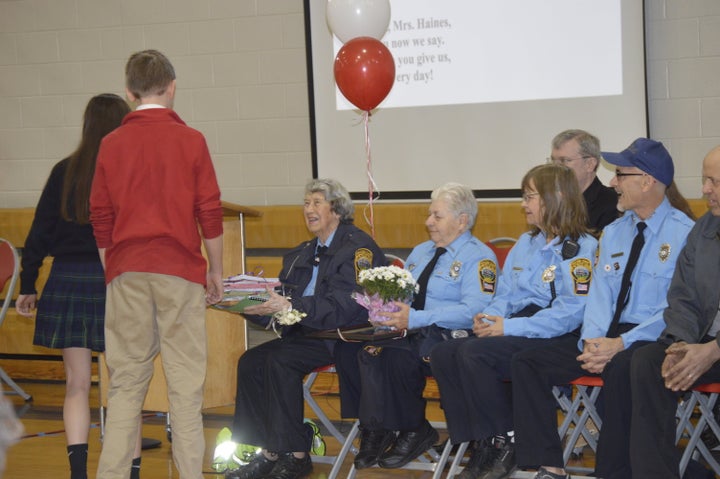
624 311
647 155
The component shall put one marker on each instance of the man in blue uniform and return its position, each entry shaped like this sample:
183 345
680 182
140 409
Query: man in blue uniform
624 312
319 277
460 275
688 351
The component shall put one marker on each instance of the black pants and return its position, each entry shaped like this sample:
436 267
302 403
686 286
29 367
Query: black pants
653 453
472 375
269 400
393 377
535 372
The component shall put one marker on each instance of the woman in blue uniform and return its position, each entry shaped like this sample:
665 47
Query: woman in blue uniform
541 295
456 276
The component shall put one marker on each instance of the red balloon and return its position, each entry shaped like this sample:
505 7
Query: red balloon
364 72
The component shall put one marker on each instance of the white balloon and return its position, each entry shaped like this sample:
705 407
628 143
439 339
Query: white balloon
349 19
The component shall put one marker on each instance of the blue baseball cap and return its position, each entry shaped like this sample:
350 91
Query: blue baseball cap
648 155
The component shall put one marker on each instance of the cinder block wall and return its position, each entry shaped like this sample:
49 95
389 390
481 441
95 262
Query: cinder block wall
242 82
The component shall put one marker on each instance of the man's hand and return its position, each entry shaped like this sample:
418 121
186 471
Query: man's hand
597 352
398 319
684 363
214 289
485 325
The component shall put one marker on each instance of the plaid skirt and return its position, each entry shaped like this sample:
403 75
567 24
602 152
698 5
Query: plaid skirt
71 308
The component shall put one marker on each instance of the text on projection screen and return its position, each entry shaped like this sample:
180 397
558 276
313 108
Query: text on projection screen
447 53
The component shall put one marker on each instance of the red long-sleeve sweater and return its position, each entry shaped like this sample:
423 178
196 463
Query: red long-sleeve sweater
154 183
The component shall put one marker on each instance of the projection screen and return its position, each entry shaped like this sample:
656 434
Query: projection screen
481 88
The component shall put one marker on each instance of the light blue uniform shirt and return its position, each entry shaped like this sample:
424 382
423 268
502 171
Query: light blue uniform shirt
665 236
462 283
310 288
522 284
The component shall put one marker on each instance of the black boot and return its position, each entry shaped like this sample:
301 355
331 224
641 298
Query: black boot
482 455
373 442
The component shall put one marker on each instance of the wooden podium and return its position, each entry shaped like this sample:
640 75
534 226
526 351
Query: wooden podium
226 332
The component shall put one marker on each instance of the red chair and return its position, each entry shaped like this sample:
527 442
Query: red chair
9 273
501 247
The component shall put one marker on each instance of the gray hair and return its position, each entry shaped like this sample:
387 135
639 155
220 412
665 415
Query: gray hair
460 198
335 194
589 143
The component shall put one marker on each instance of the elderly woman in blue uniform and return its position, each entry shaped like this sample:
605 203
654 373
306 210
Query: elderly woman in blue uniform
456 274
319 277
541 295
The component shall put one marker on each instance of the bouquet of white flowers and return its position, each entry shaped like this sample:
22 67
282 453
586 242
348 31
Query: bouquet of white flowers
381 287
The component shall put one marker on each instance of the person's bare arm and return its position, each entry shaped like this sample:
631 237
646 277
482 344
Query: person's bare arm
214 250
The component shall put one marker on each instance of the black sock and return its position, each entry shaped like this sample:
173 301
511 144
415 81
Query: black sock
135 470
77 455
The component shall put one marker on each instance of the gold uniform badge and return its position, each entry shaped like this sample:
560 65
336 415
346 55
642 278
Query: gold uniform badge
487 273
363 261
581 271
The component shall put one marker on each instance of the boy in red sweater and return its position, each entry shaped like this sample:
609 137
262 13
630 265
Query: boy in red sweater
154 183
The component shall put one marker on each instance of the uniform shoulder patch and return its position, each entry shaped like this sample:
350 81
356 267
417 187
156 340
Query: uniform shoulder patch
363 260
487 274
581 271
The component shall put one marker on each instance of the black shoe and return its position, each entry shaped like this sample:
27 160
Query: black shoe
482 456
504 463
290 467
255 469
408 446
373 442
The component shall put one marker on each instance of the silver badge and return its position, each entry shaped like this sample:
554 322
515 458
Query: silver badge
455 269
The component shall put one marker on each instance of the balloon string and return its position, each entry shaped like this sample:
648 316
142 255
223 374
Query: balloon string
371 181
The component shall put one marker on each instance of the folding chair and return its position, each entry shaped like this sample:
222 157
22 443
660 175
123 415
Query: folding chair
702 397
430 460
578 411
9 273
501 247
345 446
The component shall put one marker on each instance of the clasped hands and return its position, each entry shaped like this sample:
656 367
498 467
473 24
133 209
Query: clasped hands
485 325
684 363
597 352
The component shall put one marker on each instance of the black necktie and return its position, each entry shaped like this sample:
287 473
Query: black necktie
318 253
622 298
419 301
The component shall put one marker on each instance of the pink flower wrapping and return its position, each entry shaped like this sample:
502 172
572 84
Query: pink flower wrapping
375 305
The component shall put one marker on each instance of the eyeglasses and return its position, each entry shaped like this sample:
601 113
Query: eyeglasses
563 160
528 196
620 174
715 182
